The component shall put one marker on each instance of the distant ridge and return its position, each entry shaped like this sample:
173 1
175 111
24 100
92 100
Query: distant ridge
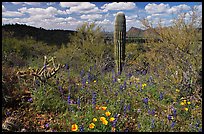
48 36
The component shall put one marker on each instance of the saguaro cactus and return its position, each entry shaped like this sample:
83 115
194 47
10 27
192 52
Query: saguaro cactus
119 41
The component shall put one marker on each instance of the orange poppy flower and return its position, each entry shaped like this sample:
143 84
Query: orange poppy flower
74 127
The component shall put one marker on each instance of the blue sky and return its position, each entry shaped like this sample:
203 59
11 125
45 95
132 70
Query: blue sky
70 15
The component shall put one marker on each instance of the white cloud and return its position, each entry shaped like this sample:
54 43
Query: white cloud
80 7
47 11
27 3
3 8
132 17
69 4
118 6
177 9
91 16
11 14
154 8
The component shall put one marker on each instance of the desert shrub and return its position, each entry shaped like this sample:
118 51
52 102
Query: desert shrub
86 48
17 52
177 58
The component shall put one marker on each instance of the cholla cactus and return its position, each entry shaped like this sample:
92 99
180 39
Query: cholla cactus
45 73
119 41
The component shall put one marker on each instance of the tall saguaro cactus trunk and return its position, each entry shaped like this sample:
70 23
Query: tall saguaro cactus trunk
119 41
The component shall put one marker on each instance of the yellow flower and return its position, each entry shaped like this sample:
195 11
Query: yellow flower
94 119
197 106
144 85
188 102
87 82
104 108
102 118
92 125
105 122
186 109
177 90
112 119
182 103
108 113
94 81
74 127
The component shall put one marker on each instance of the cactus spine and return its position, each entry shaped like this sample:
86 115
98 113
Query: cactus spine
119 41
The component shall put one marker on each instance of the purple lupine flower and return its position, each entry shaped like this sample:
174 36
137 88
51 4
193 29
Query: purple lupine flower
94 99
173 124
138 125
83 82
153 112
116 93
115 121
125 85
197 124
161 96
128 107
149 112
8 113
170 117
124 109
174 112
46 125
129 75
114 80
30 100
68 100
66 66
145 100
152 125
121 87
81 128
90 68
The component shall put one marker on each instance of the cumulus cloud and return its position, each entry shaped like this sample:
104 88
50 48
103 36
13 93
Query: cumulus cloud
80 7
177 9
27 3
118 6
42 11
154 8
91 16
11 14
